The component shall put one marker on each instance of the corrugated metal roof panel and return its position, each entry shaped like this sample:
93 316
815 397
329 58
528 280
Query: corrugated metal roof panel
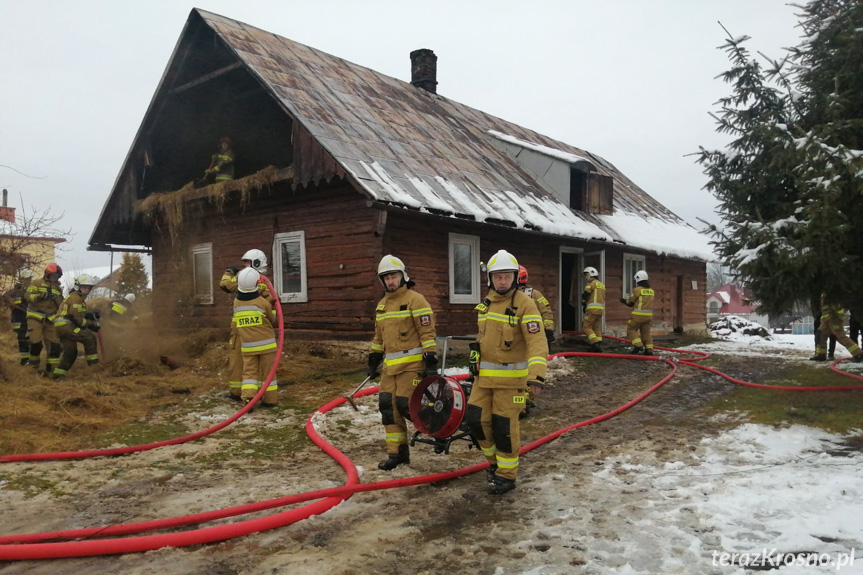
408 147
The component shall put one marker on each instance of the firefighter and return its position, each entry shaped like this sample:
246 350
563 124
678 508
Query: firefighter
121 308
257 260
832 320
222 164
254 319
508 358
44 297
545 311
404 341
638 326
542 303
593 306
18 306
75 325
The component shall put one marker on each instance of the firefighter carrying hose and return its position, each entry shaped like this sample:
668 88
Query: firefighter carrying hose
593 304
44 297
18 305
638 326
74 325
508 358
405 342
257 260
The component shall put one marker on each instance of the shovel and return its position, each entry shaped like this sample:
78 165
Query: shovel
350 397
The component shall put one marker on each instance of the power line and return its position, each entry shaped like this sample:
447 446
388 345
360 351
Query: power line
22 173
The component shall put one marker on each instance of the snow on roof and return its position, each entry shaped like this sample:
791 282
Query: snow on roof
559 154
724 296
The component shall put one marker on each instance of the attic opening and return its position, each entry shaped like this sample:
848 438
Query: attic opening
591 192
207 95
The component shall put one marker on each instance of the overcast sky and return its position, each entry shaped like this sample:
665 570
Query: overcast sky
631 80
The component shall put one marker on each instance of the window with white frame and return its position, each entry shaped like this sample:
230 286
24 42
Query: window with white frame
631 264
464 284
202 273
289 269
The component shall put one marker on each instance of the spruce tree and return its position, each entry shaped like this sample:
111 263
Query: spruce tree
132 276
790 183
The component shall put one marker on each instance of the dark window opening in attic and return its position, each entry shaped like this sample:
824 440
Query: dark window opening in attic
591 192
209 95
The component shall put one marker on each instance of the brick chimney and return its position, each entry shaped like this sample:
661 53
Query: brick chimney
7 213
424 70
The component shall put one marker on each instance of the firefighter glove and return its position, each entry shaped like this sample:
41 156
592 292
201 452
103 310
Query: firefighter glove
375 360
93 326
473 361
549 335
431 364
92 315
233 269
623 300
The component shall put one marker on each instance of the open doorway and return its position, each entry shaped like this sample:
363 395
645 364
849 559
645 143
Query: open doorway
570 289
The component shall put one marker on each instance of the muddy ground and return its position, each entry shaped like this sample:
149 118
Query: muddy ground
450 527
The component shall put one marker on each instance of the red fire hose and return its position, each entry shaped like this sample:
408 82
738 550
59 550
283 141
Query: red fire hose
11 547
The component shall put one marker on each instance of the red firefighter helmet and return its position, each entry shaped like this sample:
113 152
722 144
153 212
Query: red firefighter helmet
53 268
225 139
522 275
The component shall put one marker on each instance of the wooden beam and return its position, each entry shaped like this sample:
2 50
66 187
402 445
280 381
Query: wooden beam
205 78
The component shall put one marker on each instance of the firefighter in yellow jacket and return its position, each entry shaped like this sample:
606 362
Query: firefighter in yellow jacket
75 325
833 323
405 342
508 358
17 300
593 305
639 324
254 319
44 297
257 260
222 165
542 304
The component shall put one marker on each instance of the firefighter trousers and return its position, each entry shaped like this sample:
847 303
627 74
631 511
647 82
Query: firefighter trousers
832 326
638 332
591 325
256 368
69 340
394 404
492 416
42 331
22 332
235 365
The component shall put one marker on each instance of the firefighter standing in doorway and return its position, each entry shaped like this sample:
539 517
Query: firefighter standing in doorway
832 323
508 358
593 305
257 260
638 326
75 325
44 297
18 306
404 341
254 319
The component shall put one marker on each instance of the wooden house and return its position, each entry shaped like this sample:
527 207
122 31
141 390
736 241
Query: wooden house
338 165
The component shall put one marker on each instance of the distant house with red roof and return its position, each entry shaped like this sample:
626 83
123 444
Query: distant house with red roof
733 300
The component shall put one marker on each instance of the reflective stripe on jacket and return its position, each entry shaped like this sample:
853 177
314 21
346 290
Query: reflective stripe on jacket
404 330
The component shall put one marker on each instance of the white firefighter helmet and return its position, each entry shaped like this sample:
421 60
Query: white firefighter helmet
640 276
84 280
390 264
591 271
25 274
247 280
129 297
258 259
502 261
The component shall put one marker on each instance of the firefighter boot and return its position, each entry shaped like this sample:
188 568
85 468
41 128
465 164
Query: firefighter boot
501 485
818 357
595 347
396 459
25 361
490 474
648 352
636 350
